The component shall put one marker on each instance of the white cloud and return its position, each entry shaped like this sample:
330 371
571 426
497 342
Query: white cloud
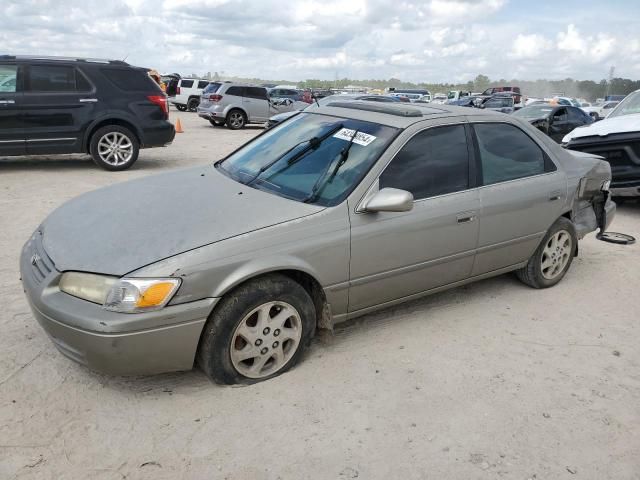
529 46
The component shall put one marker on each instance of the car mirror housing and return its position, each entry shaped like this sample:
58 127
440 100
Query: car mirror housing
390 200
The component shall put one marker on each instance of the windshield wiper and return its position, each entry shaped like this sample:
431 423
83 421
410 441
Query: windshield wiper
324 180
314 143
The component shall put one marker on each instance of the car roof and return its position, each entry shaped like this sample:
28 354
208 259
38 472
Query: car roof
400 115
52 59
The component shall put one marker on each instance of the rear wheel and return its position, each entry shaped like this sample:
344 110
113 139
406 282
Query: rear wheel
258 331
182 108
114 147
552 258
192 105
236 120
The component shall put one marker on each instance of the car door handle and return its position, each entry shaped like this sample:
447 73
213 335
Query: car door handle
466 217
88 100
5 102
553 196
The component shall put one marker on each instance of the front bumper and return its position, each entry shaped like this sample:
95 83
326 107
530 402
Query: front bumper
110 342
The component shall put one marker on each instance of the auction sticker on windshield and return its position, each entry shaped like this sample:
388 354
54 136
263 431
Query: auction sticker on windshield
361 138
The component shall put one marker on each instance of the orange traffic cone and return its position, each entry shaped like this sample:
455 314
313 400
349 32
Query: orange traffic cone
179 126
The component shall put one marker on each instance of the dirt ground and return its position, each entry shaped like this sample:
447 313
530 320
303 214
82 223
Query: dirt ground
492 380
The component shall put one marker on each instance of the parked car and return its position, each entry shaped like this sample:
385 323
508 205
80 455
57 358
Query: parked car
498 103
236 105
352 208
413 94
617 139
493 90
598 112
188 92
439 98
455 95
281 117
554 120
106 108
294 95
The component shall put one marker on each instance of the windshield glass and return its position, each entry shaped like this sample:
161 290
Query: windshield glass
628 106
292 164
537 111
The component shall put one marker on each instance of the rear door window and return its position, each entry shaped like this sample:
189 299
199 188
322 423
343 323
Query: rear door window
238 91
202 84
8 78
507 153
51 78
256 92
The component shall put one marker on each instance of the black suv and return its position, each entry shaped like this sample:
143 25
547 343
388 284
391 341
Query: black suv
53 105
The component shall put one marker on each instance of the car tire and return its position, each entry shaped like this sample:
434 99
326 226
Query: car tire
553 257
114 147
217 123
182 108
192 104
239 343
236 119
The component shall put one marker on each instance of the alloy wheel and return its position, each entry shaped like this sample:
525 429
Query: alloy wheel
556 254
266 339
236 119
115 148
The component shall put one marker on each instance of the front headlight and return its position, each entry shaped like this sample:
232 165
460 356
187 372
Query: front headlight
126 295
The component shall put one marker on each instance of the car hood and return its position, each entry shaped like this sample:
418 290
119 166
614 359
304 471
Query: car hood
121 228
623 124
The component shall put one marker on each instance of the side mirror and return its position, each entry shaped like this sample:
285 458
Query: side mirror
390 200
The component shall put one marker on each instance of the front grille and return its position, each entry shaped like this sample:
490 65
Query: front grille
41 264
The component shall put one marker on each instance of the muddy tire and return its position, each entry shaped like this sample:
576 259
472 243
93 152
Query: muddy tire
257 331
553 257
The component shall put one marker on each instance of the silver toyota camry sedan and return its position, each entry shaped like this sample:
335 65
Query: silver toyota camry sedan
336 212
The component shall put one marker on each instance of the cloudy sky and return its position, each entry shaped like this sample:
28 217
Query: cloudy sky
428 40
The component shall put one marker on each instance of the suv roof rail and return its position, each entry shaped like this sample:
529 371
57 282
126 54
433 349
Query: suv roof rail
63 59
398 110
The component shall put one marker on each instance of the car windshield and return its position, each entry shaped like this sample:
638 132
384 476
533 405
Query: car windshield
289 159
628 106
536 111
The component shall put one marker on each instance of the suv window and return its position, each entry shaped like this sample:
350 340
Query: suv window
202 84
434 162
51 78
129 79
8 78
239 91
186 83
560 115
212 87
256 92
507 153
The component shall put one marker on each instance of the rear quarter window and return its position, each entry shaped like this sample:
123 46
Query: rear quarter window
130 80
186 83
239 91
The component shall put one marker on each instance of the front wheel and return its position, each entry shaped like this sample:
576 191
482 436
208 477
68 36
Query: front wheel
552 258
258 331
114 147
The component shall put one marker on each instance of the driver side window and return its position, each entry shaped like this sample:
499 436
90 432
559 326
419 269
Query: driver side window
434 162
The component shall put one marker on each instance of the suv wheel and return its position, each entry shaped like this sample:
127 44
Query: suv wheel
114 147
257 331
236 120
192 105
182 108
